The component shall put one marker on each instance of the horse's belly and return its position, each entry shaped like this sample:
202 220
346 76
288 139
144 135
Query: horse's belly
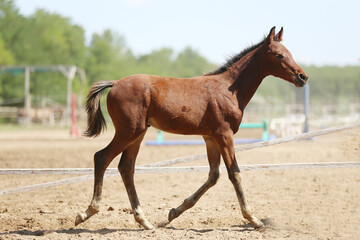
178 124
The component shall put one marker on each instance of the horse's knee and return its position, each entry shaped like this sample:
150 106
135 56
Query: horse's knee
213 177
234 177
125 167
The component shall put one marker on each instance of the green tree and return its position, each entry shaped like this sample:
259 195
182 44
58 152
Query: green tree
12 25
53 39
41 39
157 62
108 58
6 57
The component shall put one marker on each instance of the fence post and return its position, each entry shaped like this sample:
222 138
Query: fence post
27 103
160 137
265 135
306 107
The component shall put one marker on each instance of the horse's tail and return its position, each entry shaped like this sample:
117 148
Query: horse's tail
95 118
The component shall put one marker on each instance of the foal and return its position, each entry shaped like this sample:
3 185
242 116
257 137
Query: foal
211 106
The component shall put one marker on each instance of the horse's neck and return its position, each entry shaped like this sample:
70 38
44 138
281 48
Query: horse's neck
247 77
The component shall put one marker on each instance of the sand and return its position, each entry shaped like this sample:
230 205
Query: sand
294 204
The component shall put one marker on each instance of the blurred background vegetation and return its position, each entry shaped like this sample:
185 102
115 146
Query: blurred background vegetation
46 38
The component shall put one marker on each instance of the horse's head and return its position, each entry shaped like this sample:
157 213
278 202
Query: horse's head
279 61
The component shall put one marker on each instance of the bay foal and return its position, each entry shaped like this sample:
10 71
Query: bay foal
211 106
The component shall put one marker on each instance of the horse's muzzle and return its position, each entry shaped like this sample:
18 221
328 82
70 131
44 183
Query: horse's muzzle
300 80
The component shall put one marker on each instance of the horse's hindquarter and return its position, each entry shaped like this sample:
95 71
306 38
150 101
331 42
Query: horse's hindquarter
128 102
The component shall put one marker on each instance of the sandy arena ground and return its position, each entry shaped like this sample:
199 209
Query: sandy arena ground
294 204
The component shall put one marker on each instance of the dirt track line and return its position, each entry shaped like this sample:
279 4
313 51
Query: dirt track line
141 169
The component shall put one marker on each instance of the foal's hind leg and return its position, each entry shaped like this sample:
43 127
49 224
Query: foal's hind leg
226 145
214 161
102 160
126 169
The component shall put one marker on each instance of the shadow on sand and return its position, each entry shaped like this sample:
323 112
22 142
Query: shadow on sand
70 231
268 224
240 228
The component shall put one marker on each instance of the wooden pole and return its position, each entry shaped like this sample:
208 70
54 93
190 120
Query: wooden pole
70 74
74 131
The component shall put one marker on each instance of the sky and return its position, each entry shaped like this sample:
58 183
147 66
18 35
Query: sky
316 32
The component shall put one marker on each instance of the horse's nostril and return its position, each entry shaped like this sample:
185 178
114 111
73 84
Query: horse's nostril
302 77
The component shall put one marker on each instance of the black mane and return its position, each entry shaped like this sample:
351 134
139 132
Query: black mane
233 59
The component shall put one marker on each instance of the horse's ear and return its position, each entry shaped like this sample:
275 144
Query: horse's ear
279 35
271 36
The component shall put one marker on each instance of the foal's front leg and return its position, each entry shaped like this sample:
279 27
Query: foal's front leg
226 145
214 162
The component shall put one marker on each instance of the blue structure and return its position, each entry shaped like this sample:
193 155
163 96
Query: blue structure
265 136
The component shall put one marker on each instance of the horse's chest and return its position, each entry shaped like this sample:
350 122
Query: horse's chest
227 115
233 118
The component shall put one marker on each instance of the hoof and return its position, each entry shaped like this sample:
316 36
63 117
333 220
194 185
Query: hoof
145 223
259 226
82 217
149 226
172 214
163 224
141 219
79 219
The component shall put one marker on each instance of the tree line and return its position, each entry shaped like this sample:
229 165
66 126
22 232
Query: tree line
46 38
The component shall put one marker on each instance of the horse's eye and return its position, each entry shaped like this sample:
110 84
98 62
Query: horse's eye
279 56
